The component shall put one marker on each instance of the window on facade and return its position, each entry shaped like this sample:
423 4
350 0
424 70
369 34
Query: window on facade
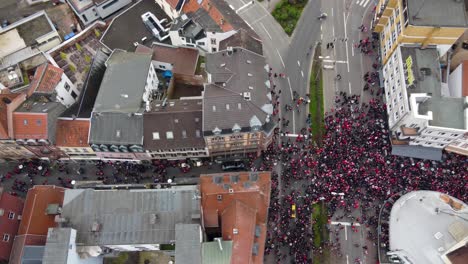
25 122
169 135
184 134
6 237
213 41
398 27
162 66
391 20
74 95
11 215
39 122
84 18
67 87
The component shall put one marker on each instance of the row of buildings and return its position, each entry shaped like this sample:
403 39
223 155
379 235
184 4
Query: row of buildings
221 220
424 58
205 96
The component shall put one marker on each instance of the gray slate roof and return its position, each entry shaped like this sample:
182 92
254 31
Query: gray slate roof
417 152
56 249
129 217
242 39
188 243
124 82
32 255
116 128
232 75
180 119
438 13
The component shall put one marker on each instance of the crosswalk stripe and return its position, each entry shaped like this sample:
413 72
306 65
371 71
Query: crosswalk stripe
364 4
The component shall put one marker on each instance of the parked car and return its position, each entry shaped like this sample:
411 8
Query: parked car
233 166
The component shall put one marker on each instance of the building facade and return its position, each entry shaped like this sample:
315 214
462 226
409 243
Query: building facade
89 11
11 208
422 114
423 22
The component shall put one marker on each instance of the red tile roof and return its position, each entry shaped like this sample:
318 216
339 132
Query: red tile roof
239 218
45 79
30 125
35 221
72 133
5 100
9 203
214 13
172 3
242 205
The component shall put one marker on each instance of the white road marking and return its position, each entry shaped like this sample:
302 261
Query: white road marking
299 63
335 61
302 73
282 62
345 223
364 4
292 98
352 50
346 42
349 87
244 6
333 29
332 11
347 259
266 30
345 233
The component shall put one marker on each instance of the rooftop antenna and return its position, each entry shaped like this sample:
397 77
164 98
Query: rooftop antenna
219 243
417 12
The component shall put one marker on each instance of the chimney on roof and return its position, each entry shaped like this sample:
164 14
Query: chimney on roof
222 21
218 239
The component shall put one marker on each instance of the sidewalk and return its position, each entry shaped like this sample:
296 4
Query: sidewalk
270 4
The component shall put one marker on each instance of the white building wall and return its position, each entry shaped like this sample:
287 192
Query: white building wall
162 65
152 80
210 43
455 83
134 247
88 16
396 95
106 9
74 258
65 88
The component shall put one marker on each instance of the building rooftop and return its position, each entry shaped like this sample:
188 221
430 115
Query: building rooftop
124 83
183 59
188 243
57 245
72 133
242 39
45 79
419 152
84 105
426 225
240 201
24 33
174 126
34 219
127 217
116 128
437 13
230 15
238 94
128 27
426 75
213 11
212 253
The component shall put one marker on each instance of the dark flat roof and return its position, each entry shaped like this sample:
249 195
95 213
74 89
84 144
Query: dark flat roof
442 13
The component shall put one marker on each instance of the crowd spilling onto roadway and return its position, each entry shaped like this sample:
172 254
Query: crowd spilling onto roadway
353 160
